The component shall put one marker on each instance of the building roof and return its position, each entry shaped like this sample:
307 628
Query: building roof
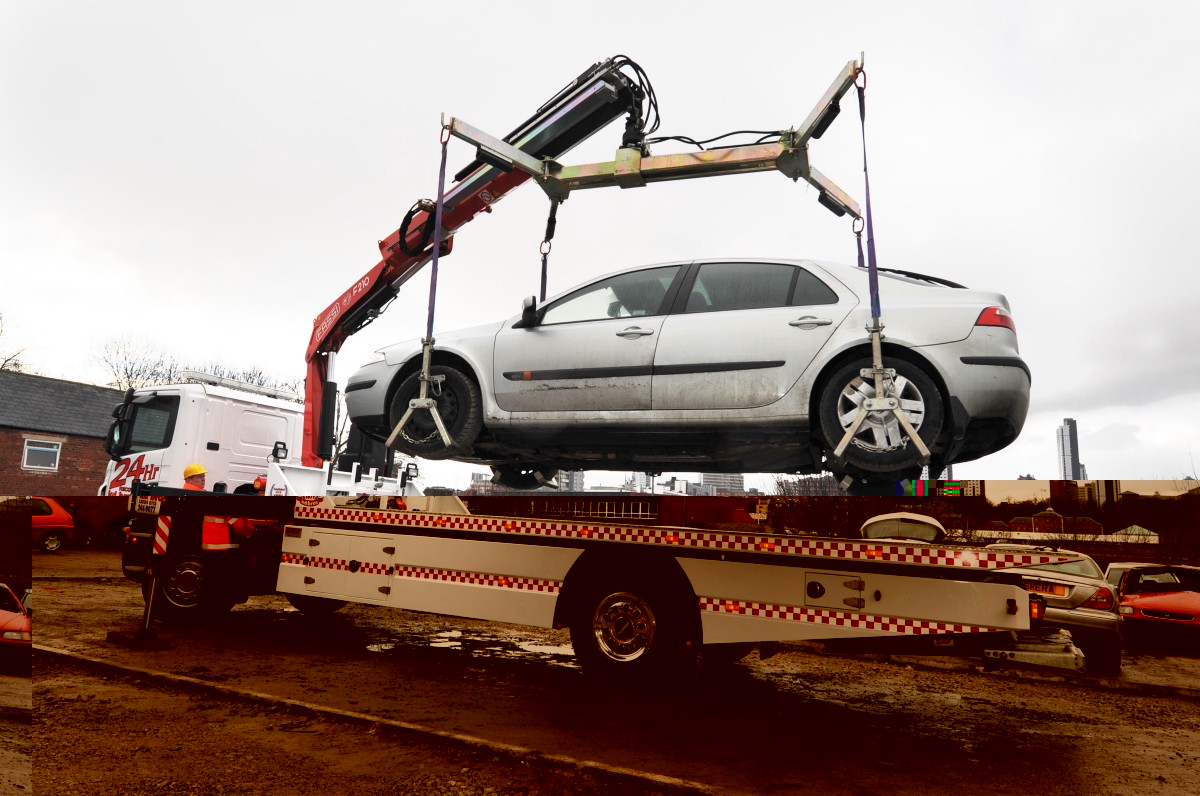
38 403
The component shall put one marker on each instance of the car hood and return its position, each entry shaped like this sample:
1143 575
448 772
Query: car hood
1177 601
11 621
402 352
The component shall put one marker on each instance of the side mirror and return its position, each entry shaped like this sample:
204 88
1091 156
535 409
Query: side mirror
529 312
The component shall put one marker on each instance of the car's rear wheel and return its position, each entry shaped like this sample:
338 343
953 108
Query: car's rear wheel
515 477
458 405
880 446
52 542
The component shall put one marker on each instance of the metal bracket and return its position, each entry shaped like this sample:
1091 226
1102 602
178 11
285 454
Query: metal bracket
879 374
423 401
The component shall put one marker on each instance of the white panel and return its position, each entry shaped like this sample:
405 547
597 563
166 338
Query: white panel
920 598
495 558
477 602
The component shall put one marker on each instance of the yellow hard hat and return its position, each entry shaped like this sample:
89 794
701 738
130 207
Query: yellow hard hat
193 469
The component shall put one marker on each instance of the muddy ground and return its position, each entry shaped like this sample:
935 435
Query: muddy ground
796 722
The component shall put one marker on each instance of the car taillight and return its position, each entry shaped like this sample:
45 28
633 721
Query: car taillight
996 316
1102 600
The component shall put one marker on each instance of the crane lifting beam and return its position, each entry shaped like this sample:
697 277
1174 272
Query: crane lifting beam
633 169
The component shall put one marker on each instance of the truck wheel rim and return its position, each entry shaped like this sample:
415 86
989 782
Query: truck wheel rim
624 627
881 431
185 584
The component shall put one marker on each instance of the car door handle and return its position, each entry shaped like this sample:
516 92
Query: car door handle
634 331
810 322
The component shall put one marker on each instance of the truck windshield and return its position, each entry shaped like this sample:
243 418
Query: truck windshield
149 426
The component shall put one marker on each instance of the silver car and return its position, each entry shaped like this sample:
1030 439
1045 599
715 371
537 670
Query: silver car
1079 600
711 365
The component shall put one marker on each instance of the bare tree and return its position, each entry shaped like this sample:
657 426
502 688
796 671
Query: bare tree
136 364
806 485
11 361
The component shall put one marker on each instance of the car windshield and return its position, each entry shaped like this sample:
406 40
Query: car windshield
1085 566
8 602
1168 580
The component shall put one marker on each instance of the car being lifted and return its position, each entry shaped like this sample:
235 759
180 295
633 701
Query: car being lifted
725 365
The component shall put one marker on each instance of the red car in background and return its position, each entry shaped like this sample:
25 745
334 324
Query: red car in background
53 526
16 631
1163 599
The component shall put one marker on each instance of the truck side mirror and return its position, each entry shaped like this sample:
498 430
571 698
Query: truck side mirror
528 313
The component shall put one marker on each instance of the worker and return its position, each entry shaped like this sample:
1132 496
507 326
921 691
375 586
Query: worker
193 477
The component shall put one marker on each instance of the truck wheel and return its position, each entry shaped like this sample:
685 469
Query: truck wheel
631 630
52 542
516 477
880 445
458 405
185 590
311 605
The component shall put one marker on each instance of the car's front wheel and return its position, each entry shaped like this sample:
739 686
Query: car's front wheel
456 397
880 446
516 477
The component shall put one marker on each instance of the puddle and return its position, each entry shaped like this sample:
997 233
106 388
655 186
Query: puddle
480 645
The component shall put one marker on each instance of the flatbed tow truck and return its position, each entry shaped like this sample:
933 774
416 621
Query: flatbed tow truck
638 597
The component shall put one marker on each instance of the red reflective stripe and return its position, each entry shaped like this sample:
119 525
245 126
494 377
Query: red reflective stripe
160 535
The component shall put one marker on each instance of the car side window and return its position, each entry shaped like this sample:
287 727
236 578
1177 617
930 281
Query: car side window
40 507
720 287
810 290
628 295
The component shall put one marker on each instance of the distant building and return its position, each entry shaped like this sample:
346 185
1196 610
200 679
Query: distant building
724 483
1069 468
972 489
52 435
572 480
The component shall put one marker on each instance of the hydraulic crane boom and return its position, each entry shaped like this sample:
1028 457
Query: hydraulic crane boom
586 105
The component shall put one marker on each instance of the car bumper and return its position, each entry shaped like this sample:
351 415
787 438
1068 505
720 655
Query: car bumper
366 394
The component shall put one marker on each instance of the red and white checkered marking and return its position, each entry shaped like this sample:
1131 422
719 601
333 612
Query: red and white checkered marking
834 550
161 532
297 559
480 579
824 616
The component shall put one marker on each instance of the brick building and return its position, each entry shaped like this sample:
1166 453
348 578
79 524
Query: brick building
52 435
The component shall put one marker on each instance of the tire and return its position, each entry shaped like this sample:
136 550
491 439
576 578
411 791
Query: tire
311 605
458 405
880 447
53 541
516 477
186 590
632 630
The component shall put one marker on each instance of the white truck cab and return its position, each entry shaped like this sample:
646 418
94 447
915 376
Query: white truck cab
232 428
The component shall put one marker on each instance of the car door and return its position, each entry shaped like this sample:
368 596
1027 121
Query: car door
744 334
591 350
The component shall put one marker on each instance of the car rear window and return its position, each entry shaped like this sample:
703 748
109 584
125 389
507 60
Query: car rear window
1087 567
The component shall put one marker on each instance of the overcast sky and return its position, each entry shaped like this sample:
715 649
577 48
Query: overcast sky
206 177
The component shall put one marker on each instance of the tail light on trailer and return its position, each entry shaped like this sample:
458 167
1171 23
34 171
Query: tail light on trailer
996 316
1037 609
1102 600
